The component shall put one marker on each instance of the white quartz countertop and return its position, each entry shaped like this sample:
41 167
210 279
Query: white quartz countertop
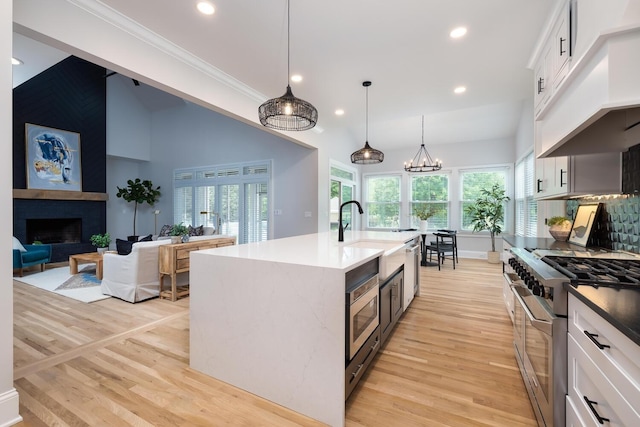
321 249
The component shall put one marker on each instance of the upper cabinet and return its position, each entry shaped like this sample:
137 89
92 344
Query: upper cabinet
552 65
586 69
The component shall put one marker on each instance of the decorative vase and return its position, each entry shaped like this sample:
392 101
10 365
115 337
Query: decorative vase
101 251
423 225
185 238
176 239
493 257
560 232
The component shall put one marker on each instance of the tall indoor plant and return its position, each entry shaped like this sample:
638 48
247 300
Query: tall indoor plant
487 213
139 192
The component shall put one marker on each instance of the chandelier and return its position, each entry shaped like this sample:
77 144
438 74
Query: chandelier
367 155
288 112
422 161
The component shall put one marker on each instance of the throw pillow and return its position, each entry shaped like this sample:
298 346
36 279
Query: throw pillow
197 231
123 246
165 230
146 238
17 245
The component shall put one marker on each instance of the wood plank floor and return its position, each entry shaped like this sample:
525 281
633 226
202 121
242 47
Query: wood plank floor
111 363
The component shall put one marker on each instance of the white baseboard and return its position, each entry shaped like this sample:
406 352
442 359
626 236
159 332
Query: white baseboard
473 254
9 408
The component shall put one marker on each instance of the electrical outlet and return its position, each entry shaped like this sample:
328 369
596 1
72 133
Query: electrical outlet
307 214
277 212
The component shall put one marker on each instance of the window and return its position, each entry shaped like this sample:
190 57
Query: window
342 190
471 182
383 201
526 207
433 190
233 198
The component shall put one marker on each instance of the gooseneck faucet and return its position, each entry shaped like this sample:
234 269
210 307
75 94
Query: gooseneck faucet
341 228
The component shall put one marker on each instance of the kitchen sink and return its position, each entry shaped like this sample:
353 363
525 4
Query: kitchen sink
392 258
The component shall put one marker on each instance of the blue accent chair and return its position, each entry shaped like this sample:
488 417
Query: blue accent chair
35 254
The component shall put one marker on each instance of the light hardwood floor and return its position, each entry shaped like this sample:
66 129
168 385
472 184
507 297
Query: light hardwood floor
110 363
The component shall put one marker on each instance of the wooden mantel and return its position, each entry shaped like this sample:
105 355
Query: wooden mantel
21 193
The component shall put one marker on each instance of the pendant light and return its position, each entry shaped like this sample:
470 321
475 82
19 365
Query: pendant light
367 155
422 161
288 112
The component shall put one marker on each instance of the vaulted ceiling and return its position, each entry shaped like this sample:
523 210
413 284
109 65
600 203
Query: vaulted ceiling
403 47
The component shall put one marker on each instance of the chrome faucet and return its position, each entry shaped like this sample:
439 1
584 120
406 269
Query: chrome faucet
341 228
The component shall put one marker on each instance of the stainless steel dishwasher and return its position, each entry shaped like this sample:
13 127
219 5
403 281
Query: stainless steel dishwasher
411 271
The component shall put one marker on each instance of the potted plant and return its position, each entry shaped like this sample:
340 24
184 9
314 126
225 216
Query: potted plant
179 233
487 213
139 192
101 241
423 213
559 227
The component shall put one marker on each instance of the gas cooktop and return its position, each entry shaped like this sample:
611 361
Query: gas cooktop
598 271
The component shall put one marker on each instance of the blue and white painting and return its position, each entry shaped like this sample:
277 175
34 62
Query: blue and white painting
53 159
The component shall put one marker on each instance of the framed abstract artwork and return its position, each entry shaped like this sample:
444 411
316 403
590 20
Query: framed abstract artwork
53 159
583 223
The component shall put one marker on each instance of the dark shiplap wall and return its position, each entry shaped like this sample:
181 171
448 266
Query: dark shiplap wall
71 96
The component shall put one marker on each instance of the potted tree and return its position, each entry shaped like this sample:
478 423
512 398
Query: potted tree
487 213
559 228
101 242
179 233
423 213
138 192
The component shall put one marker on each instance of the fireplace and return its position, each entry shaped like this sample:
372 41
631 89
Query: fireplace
54 230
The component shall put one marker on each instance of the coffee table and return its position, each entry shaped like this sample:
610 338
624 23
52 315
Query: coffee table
90 257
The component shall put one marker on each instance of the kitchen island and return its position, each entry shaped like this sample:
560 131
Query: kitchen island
269 317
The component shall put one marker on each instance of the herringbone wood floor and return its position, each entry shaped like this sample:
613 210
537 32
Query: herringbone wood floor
110 363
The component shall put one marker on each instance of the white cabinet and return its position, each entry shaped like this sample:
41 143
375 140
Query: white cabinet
565 176
553 63
603 371
509 278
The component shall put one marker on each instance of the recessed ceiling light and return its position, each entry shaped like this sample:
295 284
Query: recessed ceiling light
296 78
460 89
456 33
339 112
206 8
16 61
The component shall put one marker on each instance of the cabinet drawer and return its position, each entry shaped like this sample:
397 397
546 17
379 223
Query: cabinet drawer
619 360
586 381
182 264
184 253
573 419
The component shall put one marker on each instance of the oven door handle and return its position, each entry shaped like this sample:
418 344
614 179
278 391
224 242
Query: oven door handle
545 326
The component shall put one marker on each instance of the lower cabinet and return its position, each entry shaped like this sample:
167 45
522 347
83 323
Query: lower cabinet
390 303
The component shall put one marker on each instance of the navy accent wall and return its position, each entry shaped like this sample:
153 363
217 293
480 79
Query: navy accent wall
71 96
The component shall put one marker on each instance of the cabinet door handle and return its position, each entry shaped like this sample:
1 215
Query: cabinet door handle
562 172
590 403
593 339
538 186
562 52
540 85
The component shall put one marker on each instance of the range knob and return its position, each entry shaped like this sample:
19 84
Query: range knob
512 262
538 289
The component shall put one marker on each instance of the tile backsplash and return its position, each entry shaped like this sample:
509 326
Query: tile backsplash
618 226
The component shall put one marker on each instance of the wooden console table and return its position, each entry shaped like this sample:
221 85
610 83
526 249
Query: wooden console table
174 259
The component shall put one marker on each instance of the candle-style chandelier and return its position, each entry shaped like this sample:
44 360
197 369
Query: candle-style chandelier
422 161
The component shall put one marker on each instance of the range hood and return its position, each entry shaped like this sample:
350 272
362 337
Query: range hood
597 108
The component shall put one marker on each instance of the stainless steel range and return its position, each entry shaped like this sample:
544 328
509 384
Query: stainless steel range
540 333
537 281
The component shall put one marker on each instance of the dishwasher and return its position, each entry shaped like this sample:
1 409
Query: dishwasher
411 271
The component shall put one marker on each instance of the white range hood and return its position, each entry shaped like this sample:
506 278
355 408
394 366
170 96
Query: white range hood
597 107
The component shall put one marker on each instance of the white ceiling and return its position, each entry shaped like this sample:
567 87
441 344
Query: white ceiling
403 47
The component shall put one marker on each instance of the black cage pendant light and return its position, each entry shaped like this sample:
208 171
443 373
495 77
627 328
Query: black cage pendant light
367 155
288 112
422 161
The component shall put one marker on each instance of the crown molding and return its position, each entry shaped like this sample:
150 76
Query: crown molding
128 25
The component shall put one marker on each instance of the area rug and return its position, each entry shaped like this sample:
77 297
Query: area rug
83 286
